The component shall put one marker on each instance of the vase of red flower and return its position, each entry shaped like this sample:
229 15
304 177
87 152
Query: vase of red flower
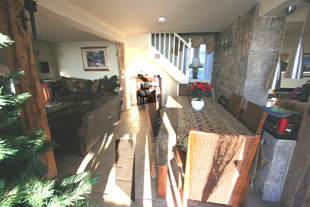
198 90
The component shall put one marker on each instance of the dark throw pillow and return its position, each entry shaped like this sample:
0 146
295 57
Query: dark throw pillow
95 86
113 80
103 83
81 85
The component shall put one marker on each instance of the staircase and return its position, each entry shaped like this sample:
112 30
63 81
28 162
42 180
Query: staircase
172 53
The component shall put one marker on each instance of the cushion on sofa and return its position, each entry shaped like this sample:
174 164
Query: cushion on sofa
113 80
88 105
95 86
103 83
70 115
63 82
62 92
81 85
69 84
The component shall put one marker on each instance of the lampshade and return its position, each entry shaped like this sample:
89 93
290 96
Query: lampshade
296 63
274 80
196 63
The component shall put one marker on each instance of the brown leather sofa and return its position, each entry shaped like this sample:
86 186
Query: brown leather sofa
78 128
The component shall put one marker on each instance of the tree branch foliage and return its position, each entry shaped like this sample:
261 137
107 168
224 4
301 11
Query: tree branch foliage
22 173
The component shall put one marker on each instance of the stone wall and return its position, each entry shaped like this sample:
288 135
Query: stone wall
245 66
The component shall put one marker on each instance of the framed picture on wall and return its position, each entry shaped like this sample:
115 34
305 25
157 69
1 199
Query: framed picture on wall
307 62
95 58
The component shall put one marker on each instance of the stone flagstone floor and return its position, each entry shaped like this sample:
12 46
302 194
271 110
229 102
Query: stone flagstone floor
122 159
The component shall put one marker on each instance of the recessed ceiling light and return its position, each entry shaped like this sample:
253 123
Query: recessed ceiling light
161 19
289 10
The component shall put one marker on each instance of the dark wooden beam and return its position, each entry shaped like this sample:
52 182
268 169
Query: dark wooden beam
122 74
19 56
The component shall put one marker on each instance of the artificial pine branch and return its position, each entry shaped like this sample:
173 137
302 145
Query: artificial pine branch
22 173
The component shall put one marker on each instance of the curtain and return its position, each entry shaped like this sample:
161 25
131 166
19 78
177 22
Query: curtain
199 38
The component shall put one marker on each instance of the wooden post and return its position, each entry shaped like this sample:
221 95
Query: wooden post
122 75
162 181
19 56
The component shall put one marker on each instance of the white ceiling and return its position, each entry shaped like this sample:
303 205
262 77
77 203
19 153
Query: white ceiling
137 16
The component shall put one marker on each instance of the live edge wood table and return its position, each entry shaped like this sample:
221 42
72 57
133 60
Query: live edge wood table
178 119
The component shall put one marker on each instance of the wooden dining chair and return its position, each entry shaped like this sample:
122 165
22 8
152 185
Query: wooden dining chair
183 90
217 168
155 99
254 117
154 124
234 104
223 101
150 108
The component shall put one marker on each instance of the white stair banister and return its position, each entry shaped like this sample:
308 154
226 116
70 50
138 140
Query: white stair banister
177 65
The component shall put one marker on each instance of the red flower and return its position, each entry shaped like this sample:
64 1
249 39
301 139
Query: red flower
208 86
200 85
192 87
198 89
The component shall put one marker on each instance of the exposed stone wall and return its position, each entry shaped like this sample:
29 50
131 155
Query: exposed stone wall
245 67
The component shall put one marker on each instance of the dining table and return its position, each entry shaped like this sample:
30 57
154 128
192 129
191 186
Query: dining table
179 118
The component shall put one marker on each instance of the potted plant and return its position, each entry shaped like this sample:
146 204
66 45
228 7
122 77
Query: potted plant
198 90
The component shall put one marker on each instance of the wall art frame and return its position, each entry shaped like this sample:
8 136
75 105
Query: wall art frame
96 58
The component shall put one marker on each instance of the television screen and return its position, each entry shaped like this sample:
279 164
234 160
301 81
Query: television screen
45 67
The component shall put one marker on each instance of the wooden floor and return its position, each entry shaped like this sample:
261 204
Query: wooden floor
122 159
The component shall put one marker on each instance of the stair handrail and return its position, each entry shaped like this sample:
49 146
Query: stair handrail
180 39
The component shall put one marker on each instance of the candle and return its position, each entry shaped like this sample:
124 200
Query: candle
282 124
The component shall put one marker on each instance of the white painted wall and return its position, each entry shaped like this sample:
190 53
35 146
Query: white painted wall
137 60
71 62
46 54
290 42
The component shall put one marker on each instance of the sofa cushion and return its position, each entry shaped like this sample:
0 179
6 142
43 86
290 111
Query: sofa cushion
113 80
88 105
69 84
103 83
70 115
81 85
62 92
63 82
95 86
72 97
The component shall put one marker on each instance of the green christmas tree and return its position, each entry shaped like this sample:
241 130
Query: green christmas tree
22 173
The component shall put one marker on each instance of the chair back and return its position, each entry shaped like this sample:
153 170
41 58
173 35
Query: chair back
153 94
234 104
183 90
223 101
254 117
150 108
217 166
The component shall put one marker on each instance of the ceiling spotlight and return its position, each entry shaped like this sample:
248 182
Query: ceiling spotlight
289 10
161 19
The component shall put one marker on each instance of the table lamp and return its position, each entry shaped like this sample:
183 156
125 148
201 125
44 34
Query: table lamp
195 65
